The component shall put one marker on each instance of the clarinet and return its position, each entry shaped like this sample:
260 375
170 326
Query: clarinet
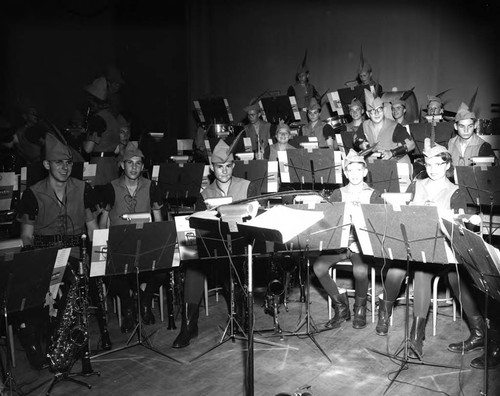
170 301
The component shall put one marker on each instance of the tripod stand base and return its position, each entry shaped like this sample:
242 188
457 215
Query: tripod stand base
59 377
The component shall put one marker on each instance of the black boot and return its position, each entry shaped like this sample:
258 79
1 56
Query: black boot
384 316
146 313
30 341
189 326
493 357
129 318
359 321
340 304
475 340
417 337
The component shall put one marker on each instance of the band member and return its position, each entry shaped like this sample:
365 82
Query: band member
356 191
303 90
357 112
398 109
224 185
258 130
132 193
393 142
435 190
466 144
283 135
365 75
317 128
103 133
56 211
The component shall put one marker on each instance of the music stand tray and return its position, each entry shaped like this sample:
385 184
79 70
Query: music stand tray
444 131
283 107
180 183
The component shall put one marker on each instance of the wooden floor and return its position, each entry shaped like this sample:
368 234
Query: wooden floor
280 365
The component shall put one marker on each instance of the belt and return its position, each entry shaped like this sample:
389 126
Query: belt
103 154
57 240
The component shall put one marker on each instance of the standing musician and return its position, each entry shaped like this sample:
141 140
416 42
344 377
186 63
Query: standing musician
258 130
224 185
356 191
56 211
132 193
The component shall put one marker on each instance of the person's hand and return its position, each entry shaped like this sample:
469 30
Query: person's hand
386 154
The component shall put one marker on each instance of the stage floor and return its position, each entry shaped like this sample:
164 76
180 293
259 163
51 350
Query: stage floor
285 366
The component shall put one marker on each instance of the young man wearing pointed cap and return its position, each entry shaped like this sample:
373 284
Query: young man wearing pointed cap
132 193
224 185
258 130
466 144
434 105
355 192
398 109
392 139
103 133
303 90
365 76
317 128
56 211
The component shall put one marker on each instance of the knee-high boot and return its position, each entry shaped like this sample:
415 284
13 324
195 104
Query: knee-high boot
189 326
340 304
359 321
417 337
475 340
384 316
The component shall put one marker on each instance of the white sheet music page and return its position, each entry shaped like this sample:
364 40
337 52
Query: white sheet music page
99 252
58 271
288 221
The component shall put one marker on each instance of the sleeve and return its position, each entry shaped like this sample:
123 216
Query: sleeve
254 188
155 196
358 137
316 94
106 196
336 196
291 91
376 198
96 128
91 203
411 189
486 150
27 210
400 134
267 152
458 200
200 204
328 132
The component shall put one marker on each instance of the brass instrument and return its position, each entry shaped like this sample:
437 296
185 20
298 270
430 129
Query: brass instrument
70 340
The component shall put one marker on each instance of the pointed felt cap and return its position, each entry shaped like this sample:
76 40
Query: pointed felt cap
353 157
355 102
98 88
313 105
432 149
253 105
221 153
463 113
132 150
372 103
56 150
303 67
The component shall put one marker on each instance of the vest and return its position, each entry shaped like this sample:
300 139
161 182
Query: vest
472 150
140 202
238 189
441 200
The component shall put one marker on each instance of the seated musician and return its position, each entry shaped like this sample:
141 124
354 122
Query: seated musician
467 144
258 130
435 190
357 112
317 128
283 135
356 191
224 185
398 109
392 139
56 211
132 193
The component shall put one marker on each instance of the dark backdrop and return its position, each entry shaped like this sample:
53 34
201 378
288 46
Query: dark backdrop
239 49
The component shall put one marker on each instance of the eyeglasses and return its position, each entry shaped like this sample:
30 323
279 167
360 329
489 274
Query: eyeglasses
378 110
435 164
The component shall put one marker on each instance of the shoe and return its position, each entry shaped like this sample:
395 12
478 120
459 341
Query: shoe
493 357
475 340
359 321
384 316
106 344
341 306
417 337
189 326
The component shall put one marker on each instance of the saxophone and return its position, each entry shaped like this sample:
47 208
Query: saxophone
70 340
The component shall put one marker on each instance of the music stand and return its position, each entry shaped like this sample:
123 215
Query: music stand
387 232
262 172
387 175
483 264
180 183
339 100
136 248
443 132
316 166
283 107
213 111
24 282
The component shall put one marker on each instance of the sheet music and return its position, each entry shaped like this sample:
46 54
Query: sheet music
99 252
58 271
